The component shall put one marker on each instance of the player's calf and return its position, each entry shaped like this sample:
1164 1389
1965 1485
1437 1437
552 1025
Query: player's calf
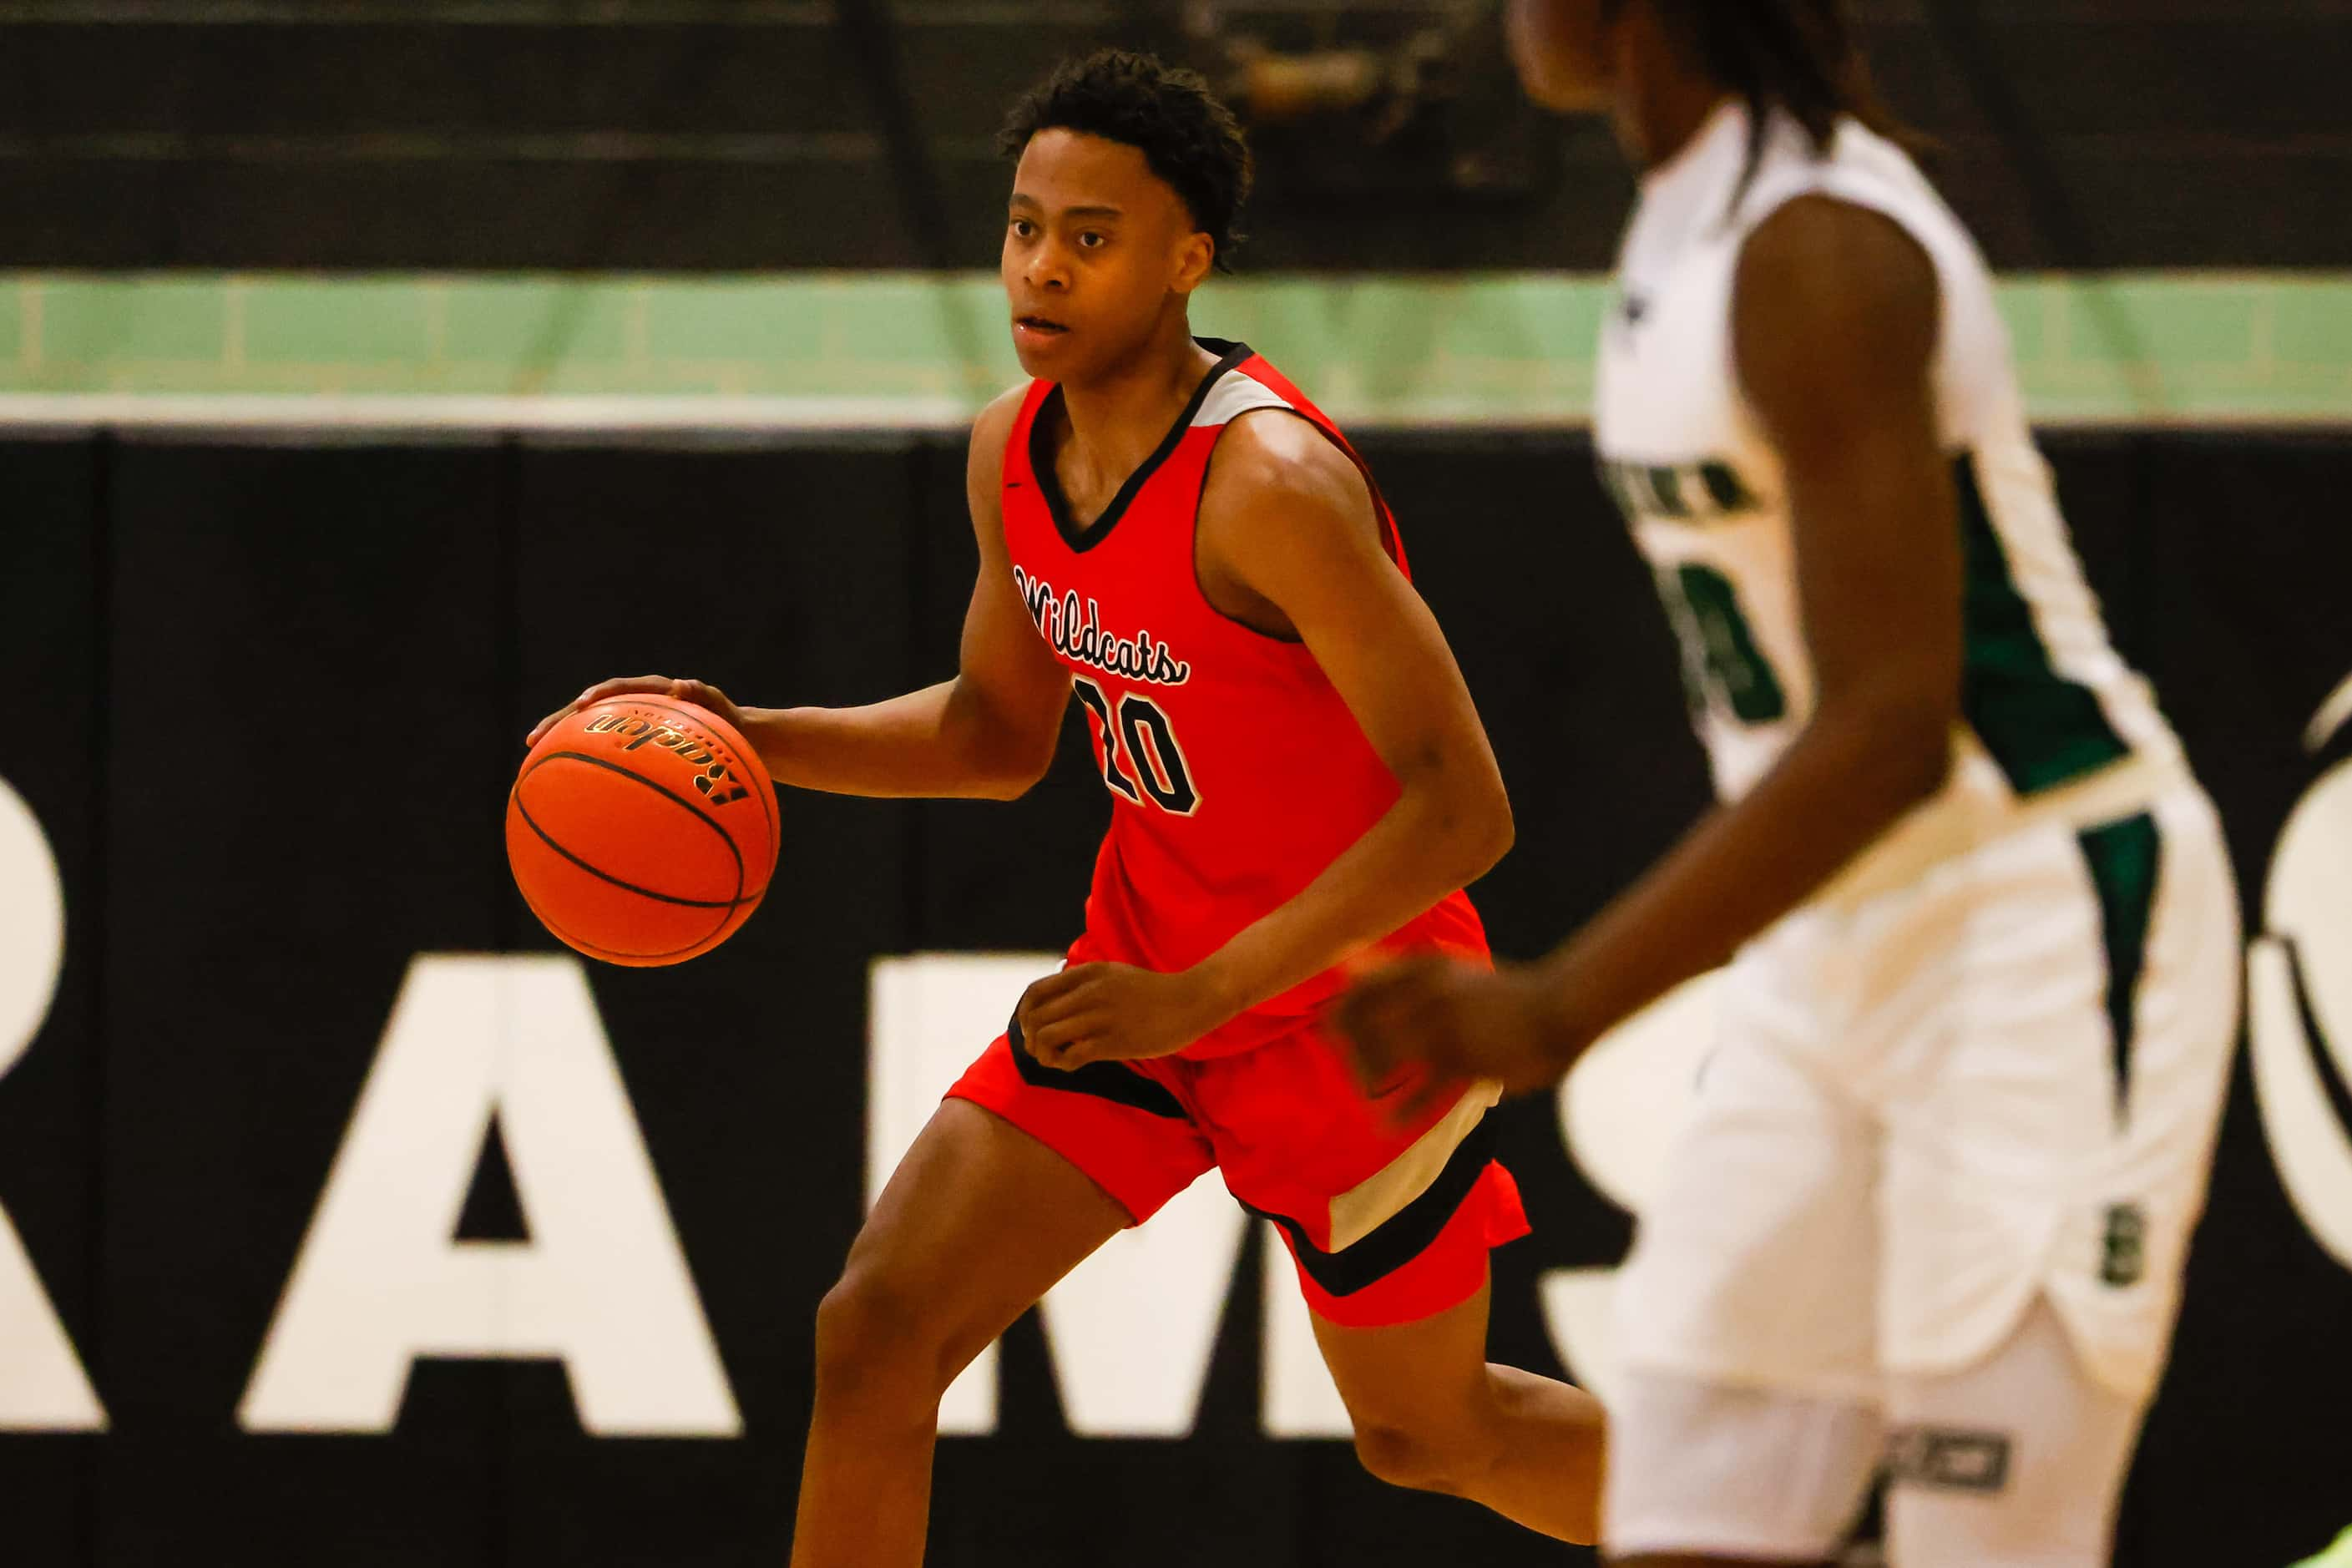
1430 1414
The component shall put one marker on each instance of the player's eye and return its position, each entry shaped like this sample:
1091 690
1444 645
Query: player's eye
1023 228
1092 239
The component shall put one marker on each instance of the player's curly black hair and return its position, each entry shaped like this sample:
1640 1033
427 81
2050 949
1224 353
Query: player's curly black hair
1188 136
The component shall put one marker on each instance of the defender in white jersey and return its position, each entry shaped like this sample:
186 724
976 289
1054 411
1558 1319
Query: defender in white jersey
1934 1206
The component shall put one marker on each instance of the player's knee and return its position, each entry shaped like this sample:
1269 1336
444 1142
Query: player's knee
877 1333
1415 1460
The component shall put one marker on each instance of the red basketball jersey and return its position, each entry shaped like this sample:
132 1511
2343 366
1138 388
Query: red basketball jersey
1236 772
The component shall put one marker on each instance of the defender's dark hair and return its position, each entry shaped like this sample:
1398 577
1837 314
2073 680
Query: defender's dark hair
1800 56
1190 138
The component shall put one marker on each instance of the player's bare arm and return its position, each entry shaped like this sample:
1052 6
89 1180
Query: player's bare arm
1835 319
988 733
1289 543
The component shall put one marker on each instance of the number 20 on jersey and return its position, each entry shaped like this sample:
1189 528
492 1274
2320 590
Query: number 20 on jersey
1140 758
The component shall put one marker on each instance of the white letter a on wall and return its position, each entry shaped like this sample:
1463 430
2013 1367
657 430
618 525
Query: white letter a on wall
602 1284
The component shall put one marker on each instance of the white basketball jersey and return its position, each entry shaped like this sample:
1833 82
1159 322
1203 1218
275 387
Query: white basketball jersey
2055 719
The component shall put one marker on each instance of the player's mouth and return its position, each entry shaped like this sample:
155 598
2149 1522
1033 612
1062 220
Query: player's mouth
1034 332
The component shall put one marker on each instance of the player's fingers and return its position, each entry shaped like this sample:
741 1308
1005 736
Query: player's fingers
1057 1006
1406 1109
1366 1038
1065 1028
1374 1019
1415 1028
1037 1037
702 694
1394 983
1053 987
621 686
1356 1017
1097 1037
1429 1028
624 686
1026 1010
1063 1045
544 725
1025 1013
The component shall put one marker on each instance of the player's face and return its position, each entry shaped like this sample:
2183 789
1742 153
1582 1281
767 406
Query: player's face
1095 245
1561 48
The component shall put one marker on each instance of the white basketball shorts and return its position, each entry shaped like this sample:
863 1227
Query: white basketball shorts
2000 1083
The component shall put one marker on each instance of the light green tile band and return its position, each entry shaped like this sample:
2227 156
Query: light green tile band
834 349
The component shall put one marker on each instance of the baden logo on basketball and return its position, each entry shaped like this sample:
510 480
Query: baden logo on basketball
2299 991
716 779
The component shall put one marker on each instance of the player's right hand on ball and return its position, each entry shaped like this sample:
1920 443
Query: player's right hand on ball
700 693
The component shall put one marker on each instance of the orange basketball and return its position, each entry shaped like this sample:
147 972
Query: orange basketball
642 830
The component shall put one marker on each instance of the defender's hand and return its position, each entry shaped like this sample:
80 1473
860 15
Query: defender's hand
702 695
1461 1021
1112 1013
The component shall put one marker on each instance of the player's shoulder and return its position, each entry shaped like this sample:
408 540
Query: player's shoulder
1831 295
991 430
1276 456
1829 260
994 425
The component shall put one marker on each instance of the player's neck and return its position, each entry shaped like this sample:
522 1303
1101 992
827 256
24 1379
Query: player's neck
1116 420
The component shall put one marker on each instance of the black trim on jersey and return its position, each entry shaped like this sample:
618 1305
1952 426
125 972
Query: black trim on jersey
1049 484
1404 1235
1105 1080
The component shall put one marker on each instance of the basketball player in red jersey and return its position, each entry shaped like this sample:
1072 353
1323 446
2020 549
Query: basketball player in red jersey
1168 529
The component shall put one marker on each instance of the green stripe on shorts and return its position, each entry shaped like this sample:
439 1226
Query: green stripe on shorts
2124 858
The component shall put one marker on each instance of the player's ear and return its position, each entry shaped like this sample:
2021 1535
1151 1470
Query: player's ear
1195 256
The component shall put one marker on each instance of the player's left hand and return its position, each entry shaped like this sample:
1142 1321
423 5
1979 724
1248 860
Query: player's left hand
1464 1022
1111 1012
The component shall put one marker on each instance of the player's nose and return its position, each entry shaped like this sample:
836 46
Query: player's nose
1048 268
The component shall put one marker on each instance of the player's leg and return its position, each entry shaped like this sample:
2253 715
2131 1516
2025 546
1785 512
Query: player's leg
989 1207
1431 1413
2018 1460
1744 1425
2107 1030
1714 1473
1389 1229
980 1220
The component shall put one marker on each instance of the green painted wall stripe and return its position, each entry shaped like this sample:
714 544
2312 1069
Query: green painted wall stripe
1512 349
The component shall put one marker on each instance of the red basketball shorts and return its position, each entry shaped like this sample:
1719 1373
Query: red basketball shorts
1386 1226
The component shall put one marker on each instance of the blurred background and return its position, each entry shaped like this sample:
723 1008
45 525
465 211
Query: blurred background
374 375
